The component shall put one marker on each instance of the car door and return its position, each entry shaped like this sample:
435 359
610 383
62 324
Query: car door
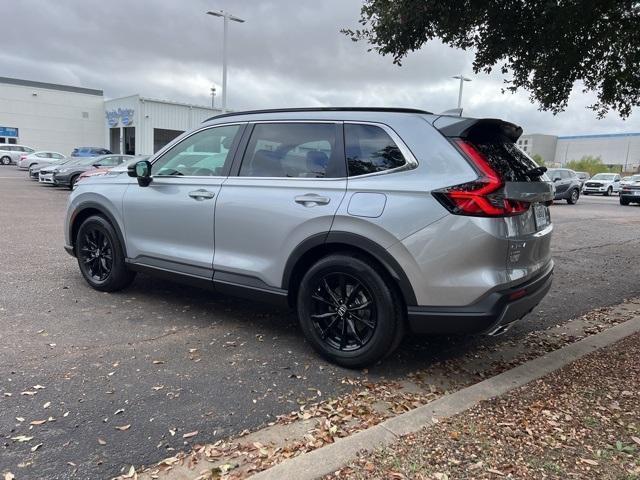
288 187
616 183
563 184
169 223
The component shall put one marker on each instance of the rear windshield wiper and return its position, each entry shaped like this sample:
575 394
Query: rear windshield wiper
536 172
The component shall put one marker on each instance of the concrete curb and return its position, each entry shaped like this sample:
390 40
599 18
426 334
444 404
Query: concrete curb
328 459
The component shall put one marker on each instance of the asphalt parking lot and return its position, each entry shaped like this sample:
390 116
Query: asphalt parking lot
161 358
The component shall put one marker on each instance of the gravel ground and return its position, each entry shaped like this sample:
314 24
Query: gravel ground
582 422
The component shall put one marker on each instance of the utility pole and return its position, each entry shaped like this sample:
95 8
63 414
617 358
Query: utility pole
213 97
226 16
462 79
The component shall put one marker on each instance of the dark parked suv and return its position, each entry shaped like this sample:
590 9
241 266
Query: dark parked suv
567 184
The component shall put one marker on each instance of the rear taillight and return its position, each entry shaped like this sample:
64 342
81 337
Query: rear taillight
479 198
22 157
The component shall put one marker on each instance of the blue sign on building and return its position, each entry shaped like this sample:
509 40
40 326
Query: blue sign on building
8 132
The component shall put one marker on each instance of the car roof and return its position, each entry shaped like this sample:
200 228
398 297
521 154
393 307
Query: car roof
315 113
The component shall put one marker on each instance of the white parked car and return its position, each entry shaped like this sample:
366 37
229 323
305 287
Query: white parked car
40 159
602 183
10 154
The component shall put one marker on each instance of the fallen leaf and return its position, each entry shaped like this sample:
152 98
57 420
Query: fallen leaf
101 441
7 394
190 434
46 405
39 387
123 427
495 472
588 461
158 362
36 447
172 432
28 392
9 476
38 422
636 439
131 473
158 387
20 419
21 438
120 410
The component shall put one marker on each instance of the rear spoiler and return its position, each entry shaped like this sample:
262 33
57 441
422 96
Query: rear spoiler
457 127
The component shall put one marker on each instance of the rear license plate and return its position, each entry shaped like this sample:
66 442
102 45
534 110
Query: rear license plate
541 216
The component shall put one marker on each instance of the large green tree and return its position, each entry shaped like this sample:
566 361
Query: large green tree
543 46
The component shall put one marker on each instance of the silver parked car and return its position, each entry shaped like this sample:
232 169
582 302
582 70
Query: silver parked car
602 183
10 153
39 159
367 221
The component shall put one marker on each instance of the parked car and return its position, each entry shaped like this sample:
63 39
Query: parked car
583 177
630 192
90 152
96 172
29 160
366 221
603 183
567 184
67 175
46 174
34 171
10 154
628 180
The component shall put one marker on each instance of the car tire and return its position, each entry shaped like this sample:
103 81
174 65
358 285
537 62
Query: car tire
5 160
608 192
349 311
101 256
573 197
72 181
623 201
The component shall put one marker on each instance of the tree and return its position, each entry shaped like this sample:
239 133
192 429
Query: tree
545 45
589 164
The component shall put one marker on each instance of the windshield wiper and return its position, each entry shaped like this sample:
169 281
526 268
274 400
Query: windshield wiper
535 172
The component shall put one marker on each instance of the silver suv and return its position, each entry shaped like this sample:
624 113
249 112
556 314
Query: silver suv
368 222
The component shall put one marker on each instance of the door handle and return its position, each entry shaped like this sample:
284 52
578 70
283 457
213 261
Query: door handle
201 194
311 199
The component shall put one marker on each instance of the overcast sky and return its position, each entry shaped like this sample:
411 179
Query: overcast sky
288 53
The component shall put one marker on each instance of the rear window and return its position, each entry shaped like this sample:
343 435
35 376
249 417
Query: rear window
507 160
370 149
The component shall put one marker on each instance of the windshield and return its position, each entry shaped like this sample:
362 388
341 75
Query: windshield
635 178
603 176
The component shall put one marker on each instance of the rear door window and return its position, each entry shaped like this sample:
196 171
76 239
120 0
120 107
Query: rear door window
369 149
293 150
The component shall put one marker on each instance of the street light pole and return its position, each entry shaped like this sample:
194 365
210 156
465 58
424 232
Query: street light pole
226 16
462 79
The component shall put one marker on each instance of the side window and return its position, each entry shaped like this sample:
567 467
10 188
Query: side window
110 161
205 153
293 150
42 155
370 149
57 155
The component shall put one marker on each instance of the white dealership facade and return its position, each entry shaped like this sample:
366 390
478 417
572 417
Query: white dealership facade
48 116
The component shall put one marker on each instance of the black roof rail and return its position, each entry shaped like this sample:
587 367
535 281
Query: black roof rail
321 109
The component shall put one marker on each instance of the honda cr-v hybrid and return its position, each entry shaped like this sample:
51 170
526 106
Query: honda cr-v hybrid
368 222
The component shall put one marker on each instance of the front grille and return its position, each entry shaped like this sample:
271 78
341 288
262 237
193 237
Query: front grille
591 184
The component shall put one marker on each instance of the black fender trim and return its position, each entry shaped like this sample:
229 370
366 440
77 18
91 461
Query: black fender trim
102 211
360 242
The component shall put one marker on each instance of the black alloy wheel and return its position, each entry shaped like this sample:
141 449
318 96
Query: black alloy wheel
573 197
349 310
101 257
96 254
344 313
5 161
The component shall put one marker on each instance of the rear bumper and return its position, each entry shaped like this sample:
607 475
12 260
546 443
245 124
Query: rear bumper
488 315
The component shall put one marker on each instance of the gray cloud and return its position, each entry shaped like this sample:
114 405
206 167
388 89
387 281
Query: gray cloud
288 53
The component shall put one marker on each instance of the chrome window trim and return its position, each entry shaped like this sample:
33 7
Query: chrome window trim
164 150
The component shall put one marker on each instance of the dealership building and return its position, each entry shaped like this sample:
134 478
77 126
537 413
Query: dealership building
620 150
48 116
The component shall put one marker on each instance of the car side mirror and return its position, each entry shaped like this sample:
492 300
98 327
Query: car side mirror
142 171
557 179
